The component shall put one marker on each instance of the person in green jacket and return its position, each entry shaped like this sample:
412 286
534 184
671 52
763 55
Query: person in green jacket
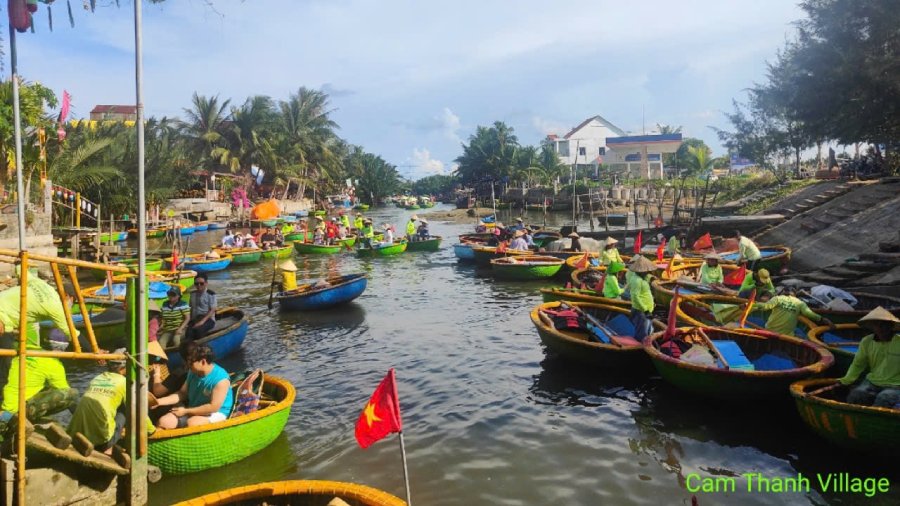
759 280
786 309
879 353
748 251
642 304
100 416
368 233
711 271
676 242
615 273
345 222
411 228
358 223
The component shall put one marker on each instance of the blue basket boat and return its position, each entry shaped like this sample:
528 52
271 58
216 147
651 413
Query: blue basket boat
464 252
226 337
342 289
198 263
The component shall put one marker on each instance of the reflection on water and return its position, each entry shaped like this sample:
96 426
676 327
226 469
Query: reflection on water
489 417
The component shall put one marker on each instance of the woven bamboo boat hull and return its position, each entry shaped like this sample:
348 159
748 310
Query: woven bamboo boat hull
343 290
297 492
152 265
775 258
307 248
361 207
240 256
861 428
155 233
484 254
282 252
838 342
299 236
576 347
579 295
193 449
866 303
464 252
589 276
385 251
185 278
432 244
108 322
199 264
738 385
201 227
227 336
348 242
698 311
525 272
187 230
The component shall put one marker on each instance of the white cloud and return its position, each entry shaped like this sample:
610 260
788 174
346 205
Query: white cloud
548 126
450 124
424 165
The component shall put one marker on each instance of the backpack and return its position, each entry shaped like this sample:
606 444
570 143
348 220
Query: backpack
248 393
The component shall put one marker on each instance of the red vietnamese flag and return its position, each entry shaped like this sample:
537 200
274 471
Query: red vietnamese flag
704 242
736 277
637 242
660 250
748 308
673 309
381 416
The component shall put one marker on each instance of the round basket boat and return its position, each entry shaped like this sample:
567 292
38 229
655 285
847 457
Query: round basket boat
308 248
865 303
192 449
299 236
184 278
775 259
759 364
588 276
340 290
868 429
721 310
226 337
580 295
279 252
200 263
581 345
484 254
431 244
842 342
241 256
526 267
463 252
383 250
297 492
583 261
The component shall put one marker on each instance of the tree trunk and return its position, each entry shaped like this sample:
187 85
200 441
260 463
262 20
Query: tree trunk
819 155
797 162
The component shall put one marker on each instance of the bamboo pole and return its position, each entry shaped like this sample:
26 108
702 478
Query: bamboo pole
66 311
23 329
62 261
88 327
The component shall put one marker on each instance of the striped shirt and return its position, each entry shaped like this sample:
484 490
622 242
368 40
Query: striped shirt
174 316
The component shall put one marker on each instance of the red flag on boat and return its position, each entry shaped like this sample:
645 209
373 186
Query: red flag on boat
736 277
583 263
637 242
381 416
660 250
174 258
658 223
670 324
704 242
748 308
601 283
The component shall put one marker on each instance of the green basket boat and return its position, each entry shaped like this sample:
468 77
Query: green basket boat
185 278
432 244
383 251
107 320
241 255
526 267
722 310
761 379
298 492
192 449
281 252
308 248
412 207
576 345
361 207
580 295
151 265
868 429
299 236
320 212
156 233
348 242
842 342
270 222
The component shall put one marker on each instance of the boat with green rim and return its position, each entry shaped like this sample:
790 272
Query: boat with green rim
607 343
193 449
431 244
241 256
107 320
299 236
298 492
361 207
280 252
383 250
868 429
757 364
775 259
319 212
865 302
525 267
842 341
308 248
708 310
199 262
152 265
484 254
553 294
348 242
268 222
184 278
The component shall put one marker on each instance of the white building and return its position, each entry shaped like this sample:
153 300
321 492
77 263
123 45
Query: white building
596 141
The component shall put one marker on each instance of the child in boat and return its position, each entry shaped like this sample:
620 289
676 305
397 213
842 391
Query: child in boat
175 316
206 392
99 416
879 353
423 234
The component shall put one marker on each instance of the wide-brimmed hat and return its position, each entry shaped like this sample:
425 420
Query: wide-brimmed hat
413 218
640 263
320 218
711 256
153 306
288 265
574 235
610 241
519 233
156 350
116 364
423 220
386 226
519 219
879 314
615 267
764 275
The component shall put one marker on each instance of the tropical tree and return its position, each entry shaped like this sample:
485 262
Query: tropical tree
307 144
490 154
204 127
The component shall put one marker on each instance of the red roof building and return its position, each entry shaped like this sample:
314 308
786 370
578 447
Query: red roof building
114 113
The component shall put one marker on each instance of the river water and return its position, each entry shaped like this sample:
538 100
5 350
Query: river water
489 417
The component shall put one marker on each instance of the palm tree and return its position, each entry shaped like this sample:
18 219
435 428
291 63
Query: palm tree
307 141
204 126
244 139
668 129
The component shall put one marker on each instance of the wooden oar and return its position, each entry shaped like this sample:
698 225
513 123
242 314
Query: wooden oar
594 321
272 285
825 389
712 347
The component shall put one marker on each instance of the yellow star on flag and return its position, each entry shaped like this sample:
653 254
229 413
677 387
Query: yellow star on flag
370 414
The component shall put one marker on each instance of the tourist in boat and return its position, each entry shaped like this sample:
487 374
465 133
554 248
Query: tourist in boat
748 251
676 242
411 228
154 320
206 392
368 233
518 243
175 317
358 223
388 234
529 237
760 281
331 232
267 239
610 253
279 238
100 415
520 225
711 272
288 275
238 240
423 233
785 310
575 243
642 304
47 391
615 274
319 235
228 239
879 354
203 308
250 242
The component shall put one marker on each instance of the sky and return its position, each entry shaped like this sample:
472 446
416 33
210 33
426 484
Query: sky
411 80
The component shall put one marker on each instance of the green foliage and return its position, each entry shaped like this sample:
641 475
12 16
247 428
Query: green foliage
434 185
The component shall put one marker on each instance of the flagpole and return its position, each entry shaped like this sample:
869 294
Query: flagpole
405 470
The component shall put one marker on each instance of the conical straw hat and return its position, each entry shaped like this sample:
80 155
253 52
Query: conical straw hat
288 265
154 349
640 264
880 314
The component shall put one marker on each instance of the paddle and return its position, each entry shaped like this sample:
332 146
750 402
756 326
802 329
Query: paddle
825 389
713 348
592 320
272 285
